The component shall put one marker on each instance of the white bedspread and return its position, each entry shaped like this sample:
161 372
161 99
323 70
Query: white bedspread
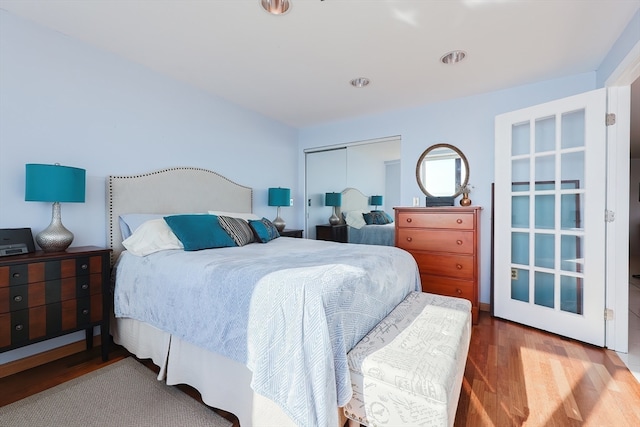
290 310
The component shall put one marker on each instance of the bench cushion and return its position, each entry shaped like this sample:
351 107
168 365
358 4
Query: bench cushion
409 368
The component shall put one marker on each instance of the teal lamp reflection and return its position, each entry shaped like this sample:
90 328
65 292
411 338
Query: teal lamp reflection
376 201
279 197
54 183
335 200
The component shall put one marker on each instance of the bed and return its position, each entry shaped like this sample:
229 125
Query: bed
316 305
354 204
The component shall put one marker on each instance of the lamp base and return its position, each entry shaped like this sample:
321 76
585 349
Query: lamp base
278 222
55 238
333 219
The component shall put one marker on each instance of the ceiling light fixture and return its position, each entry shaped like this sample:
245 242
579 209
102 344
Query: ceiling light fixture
453 57
276 7
360 82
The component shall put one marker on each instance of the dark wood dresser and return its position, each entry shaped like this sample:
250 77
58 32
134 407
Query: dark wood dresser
290 232
334 233
46 295
445 241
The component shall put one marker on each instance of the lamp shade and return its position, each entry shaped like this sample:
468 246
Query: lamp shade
333 199
279 196
376 200
54 183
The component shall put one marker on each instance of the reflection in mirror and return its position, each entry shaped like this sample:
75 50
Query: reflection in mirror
442 170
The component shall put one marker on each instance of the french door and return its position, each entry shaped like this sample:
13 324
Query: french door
550 180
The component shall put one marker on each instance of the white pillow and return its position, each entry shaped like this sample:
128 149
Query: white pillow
244 215
129 223
152 236
354 219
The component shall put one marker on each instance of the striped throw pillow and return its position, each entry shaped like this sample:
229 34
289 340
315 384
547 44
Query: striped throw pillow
238 229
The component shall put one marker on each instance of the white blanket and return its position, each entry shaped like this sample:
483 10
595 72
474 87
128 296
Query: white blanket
289 309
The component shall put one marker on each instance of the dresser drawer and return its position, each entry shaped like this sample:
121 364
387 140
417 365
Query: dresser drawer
20 297
436 240
460 221
460 266
37 323
446 286
21 274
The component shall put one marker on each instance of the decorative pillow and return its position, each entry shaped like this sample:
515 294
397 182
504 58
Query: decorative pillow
264 230
244 215
238 229
199 231
129 223
152 236
376 218
354 219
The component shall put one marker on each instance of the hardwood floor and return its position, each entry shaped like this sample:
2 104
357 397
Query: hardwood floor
519 376
515 376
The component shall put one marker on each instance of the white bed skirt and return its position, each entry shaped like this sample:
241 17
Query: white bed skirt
223 383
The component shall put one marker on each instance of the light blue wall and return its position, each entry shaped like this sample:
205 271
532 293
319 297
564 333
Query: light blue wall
620 49
467 123
63 101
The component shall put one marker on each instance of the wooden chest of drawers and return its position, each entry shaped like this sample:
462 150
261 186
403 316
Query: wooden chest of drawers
445 241
46 295
332 233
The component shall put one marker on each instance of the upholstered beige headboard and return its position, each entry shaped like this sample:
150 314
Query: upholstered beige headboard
169 191
353 200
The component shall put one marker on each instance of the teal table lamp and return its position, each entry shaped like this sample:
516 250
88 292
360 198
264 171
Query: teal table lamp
376 201
335 200
54 183
279 197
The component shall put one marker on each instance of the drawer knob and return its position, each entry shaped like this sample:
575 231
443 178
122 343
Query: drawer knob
19 327
459 242
459 221
459 291
85 286
408 219
84 266
16 275
459 267
17 298
85 311
409 239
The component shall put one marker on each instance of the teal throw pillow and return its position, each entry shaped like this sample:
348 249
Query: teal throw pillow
264 229
377 218
198 232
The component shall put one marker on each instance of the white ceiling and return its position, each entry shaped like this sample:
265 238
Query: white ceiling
296 67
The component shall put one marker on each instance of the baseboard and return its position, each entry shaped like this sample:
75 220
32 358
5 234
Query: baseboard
29 362
485 306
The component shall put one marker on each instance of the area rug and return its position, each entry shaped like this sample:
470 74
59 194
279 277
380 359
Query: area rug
125 393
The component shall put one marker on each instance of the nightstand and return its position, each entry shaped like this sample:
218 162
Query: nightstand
291 233
46 295
334 233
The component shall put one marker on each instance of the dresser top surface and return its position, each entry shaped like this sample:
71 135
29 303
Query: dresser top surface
439 209
41 256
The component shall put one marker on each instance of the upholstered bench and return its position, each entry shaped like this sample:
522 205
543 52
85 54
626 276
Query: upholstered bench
408 370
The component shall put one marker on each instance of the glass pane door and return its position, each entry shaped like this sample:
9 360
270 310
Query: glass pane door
550 181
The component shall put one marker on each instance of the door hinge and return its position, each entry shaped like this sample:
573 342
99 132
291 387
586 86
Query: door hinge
609 216
608 314
610 119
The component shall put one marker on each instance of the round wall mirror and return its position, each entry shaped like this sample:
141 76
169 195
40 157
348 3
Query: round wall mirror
442 170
